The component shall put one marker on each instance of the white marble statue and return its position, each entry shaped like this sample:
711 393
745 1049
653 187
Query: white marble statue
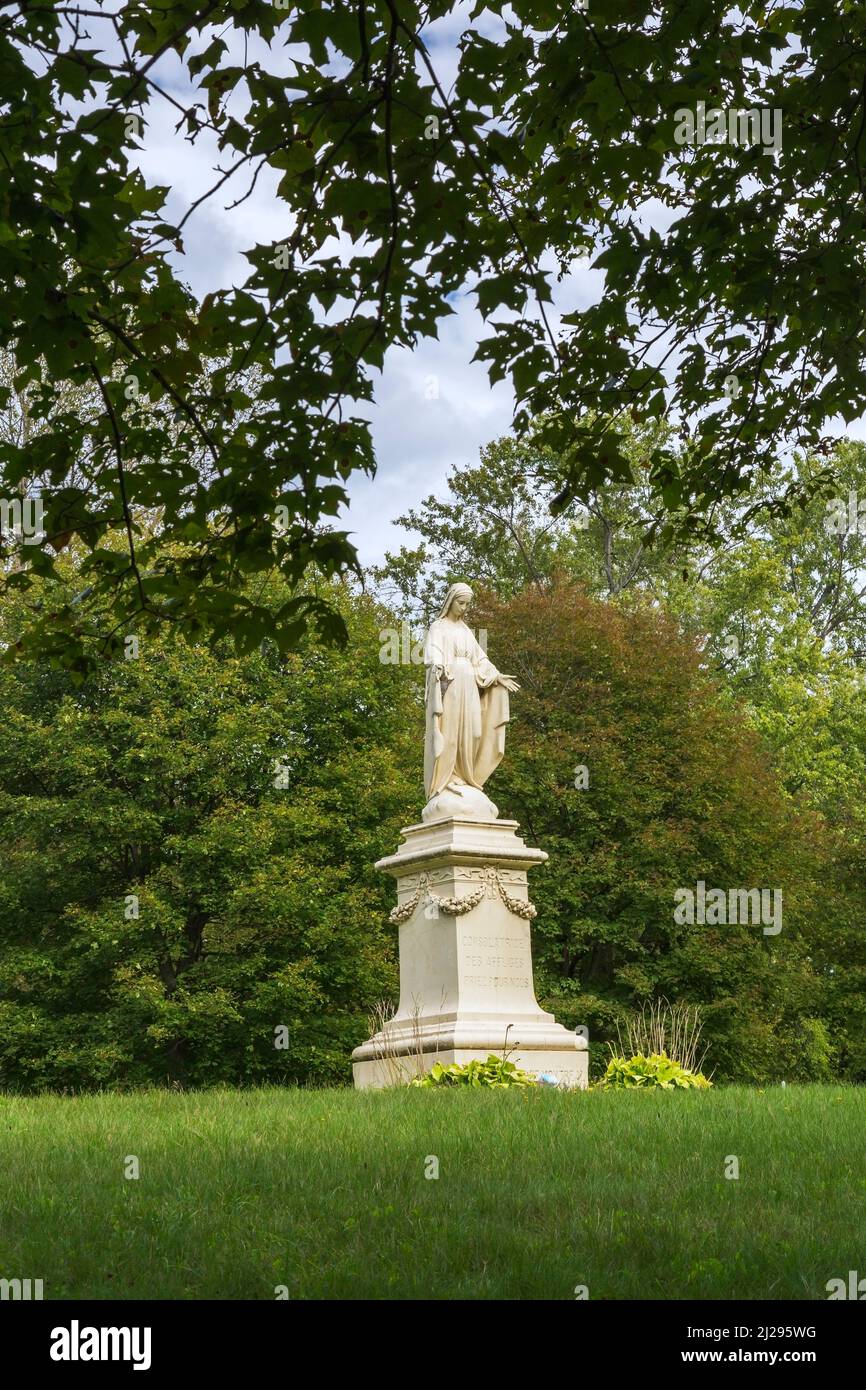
467 711
463 907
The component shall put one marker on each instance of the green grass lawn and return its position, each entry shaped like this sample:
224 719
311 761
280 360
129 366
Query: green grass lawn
325 1192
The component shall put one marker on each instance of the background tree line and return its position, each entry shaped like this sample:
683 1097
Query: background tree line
188 836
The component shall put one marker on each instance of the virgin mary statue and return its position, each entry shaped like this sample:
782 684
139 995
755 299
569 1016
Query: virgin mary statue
467 711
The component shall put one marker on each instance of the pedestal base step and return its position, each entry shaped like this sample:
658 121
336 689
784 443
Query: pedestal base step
395 1059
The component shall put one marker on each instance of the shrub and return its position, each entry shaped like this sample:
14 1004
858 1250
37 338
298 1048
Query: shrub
494 1072
656 1070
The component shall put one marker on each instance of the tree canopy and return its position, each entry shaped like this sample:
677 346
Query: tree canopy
188 841
732 305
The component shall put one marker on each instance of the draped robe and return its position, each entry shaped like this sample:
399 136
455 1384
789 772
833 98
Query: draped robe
466 712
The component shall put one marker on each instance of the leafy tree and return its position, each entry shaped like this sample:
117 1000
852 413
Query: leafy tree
562 129
629 766
775 601
497 525
188 843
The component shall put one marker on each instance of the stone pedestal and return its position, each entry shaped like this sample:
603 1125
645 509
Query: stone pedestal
465 959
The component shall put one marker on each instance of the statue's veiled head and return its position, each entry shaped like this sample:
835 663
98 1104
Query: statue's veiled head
457 600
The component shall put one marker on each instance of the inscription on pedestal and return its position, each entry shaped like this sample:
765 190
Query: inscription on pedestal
493 953
498 981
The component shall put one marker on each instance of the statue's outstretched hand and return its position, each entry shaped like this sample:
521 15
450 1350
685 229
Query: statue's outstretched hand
509 682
